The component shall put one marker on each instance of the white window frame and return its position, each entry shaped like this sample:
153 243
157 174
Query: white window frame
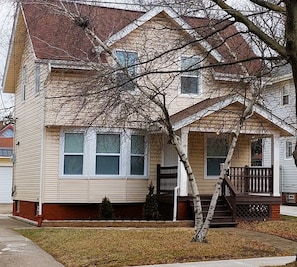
63 154
285 95
24 83
37 78
288 148
184 74
207 136
89 162
135 67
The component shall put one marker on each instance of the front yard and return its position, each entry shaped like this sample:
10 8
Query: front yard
135 246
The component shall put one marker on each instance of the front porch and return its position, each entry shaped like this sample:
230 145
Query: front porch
246 194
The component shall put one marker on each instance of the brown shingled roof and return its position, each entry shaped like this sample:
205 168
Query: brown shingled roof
55 37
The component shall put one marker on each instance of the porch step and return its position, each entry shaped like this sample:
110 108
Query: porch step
222 215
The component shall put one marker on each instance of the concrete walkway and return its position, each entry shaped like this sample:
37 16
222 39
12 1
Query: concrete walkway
18 251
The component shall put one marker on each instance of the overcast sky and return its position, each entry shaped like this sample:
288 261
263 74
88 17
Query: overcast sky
6 19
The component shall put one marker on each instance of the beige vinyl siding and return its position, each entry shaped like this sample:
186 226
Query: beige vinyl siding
90 189
149 40
197 159
226 120
28 131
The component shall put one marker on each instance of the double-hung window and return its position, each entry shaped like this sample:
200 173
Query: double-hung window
73 153
137 155
289 149
190 75
128 69
217 149
285 95
108 154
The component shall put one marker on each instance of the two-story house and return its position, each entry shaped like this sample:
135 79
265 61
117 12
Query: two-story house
280 97
84 131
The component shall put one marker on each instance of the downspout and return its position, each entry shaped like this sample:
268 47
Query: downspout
40 210
175 203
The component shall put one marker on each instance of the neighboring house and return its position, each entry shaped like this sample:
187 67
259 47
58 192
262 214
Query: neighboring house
64 167
280 97
6 148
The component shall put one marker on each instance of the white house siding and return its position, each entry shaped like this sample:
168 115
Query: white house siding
28 130
273 97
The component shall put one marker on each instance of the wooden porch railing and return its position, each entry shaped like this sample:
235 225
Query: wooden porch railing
166 179
252 179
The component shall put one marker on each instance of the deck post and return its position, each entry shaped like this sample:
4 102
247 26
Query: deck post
182 174
276 167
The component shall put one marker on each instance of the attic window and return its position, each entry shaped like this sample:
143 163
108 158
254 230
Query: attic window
189 75
128 61
37 78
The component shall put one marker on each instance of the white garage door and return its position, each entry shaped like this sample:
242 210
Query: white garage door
5 184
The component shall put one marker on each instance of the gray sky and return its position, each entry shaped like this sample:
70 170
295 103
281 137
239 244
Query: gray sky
6 19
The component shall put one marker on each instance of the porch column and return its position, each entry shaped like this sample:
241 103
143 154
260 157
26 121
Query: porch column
182 175
275 162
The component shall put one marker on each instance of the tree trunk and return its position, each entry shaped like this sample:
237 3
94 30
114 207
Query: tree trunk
291 46
175 140
200 235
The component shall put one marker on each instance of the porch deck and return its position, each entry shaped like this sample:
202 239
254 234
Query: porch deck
246 191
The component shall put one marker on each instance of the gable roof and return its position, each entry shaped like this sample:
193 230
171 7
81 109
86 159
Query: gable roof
55 37
212 105
5 128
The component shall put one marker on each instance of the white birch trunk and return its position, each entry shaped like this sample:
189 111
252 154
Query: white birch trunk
200 235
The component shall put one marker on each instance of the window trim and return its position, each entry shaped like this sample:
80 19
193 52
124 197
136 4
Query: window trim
135 67
89 163
210 177
286 149
184 74
285 95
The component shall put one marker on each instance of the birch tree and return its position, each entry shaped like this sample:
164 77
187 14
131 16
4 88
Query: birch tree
151 106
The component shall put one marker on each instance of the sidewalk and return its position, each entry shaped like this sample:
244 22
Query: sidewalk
18 251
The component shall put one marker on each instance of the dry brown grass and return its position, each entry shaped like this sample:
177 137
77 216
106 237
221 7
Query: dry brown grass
286 227
131 246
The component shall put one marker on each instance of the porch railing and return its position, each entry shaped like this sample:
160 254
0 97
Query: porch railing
252 179
166 179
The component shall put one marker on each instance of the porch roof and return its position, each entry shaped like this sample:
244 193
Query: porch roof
212 106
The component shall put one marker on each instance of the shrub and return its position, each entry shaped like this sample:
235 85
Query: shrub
150 209
106 210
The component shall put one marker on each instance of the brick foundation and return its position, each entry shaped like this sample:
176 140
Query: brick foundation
275 212
62 211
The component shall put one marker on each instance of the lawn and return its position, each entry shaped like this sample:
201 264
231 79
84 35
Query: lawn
133 246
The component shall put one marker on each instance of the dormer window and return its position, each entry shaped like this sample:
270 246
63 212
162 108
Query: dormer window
190 75
128 61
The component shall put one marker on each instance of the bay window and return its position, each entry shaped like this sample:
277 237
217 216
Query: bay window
104 154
